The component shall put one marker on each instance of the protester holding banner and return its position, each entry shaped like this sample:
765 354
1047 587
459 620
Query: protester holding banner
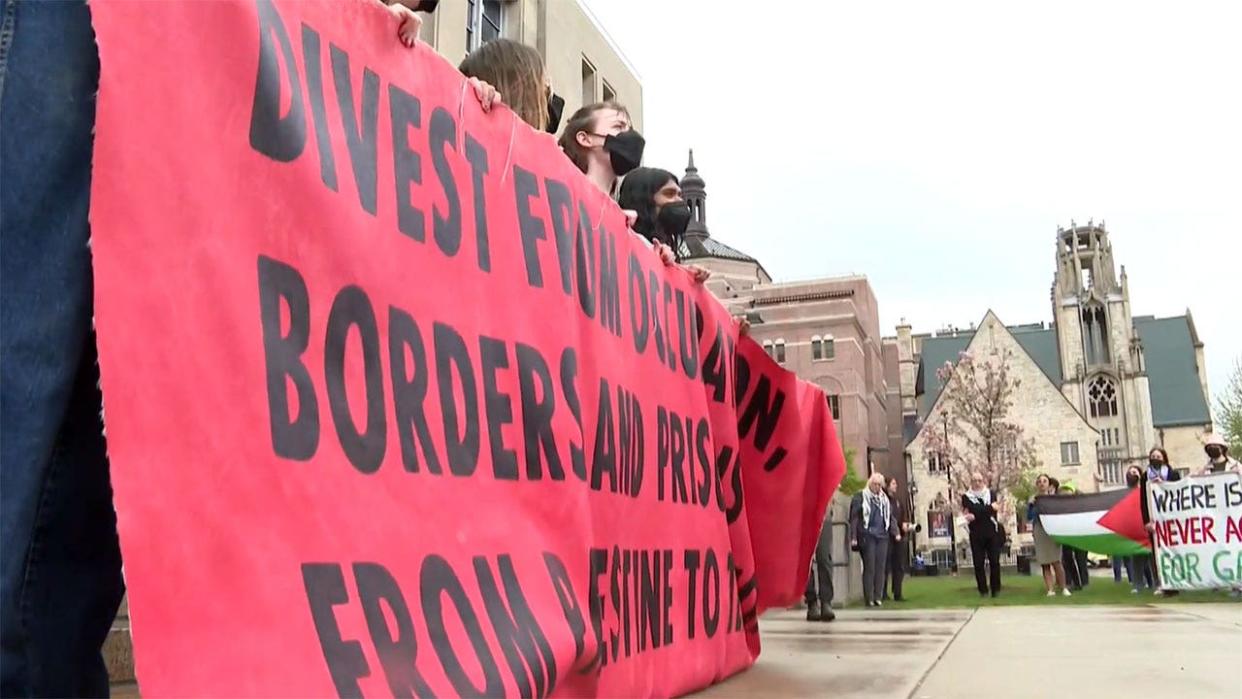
872 523
982 507
1197 532
609 486
1074 559
517 72
661 216
1138 567
410 23
1219 460
655 195
600 141
1047 551
1159 470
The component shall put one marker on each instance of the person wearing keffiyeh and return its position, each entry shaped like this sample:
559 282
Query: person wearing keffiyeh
872 522
982 508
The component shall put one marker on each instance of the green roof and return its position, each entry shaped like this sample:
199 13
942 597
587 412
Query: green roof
1040 344
1172 374
1168 348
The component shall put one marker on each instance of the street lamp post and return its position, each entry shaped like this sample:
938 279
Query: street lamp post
948 476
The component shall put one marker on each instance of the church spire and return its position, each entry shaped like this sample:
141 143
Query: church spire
694 192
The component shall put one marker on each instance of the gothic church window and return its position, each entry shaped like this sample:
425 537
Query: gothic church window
1102 397
1095 335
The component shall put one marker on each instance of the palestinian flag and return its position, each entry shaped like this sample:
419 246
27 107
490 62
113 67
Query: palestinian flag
1108 523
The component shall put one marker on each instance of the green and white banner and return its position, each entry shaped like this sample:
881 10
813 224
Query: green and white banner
1198 531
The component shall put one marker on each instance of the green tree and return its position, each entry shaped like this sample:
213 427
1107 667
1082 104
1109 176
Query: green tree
852 482
1022 486
1229 410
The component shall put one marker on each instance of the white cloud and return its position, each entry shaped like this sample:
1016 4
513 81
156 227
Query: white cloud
935 147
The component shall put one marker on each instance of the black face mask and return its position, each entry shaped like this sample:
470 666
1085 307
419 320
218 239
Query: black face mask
625 150
672 220
1156 464
1132 479
1215 452
556 106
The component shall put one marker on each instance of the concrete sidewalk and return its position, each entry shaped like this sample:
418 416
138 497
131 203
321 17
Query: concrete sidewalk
1191 650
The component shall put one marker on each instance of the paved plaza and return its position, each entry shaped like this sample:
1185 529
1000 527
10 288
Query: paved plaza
1186 650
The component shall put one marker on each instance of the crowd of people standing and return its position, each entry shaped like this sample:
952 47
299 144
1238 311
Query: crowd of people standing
878 532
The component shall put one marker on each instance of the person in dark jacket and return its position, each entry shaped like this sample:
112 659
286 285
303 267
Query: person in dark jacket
1158 469
1138 568
982 508
872 524
819 590
897 553
1074 560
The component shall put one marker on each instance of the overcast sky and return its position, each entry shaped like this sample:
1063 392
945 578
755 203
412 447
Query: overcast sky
935 147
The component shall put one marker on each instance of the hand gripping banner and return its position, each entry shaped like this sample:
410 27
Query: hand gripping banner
396 405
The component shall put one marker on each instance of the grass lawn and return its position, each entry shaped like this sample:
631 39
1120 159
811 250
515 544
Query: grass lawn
947 591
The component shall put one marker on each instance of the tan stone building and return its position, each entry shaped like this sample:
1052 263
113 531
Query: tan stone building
1099 387
585 64
827 331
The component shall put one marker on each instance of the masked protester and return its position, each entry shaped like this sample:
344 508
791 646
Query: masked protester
655 196
1219 460
1138 568
660 214
599 140
1158 469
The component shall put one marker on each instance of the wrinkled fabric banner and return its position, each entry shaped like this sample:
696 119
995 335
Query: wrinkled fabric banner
395 403
1197 531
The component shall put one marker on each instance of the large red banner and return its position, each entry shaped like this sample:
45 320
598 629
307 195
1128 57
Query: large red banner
395 403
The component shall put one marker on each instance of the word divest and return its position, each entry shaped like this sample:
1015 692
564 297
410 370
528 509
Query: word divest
396 404
1198 531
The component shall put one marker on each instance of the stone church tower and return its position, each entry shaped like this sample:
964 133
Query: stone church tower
1102 364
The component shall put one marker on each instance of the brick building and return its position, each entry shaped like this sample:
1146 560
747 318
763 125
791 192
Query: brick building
827 331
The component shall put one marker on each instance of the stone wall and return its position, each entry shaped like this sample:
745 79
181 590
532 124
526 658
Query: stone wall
1046 417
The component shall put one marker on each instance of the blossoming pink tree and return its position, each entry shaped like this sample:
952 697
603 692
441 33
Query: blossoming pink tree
971 428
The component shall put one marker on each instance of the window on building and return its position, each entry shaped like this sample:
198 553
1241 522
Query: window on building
1102 397
1006 452
1110 436
936 463
1110 472
1069 453
767 348
608 94
822 347
485 21
588 82
834 406
1095 335
779 351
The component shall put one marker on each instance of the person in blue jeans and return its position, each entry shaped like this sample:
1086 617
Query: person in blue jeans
60 561
60 580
